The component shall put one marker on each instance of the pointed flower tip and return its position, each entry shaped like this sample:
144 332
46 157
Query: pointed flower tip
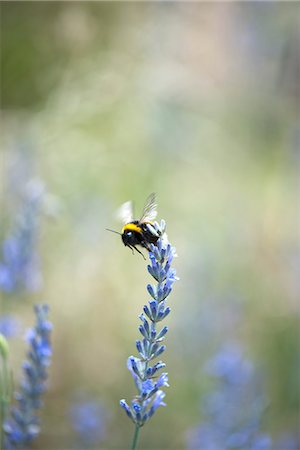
130 361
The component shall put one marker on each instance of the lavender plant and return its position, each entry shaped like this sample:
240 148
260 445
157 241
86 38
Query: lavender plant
234 410
20 273
147 381
22 424
19 264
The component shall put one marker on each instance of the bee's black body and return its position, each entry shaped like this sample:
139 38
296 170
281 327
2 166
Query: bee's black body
137 233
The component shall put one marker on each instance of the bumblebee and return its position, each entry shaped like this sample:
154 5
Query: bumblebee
139 232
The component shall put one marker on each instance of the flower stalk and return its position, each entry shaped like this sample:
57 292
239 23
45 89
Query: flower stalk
135 437
146 376
22 424
19 259
5 385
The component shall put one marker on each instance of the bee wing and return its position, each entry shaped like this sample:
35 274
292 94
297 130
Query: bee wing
150 209
125 212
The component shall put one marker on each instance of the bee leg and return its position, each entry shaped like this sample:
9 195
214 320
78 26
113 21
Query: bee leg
146 246
139 252
131 248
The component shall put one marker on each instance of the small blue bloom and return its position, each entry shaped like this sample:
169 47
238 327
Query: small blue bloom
156 403
22 425
148 383
162 380
147 387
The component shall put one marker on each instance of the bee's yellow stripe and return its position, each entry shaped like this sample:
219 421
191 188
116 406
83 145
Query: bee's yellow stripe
131 227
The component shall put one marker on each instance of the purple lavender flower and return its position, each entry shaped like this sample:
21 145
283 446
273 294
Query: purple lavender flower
148 380
19 264
233 411
22 425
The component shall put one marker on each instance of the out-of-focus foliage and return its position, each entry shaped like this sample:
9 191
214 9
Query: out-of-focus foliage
199 103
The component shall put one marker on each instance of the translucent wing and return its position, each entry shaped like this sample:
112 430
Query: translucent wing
150 209
125 212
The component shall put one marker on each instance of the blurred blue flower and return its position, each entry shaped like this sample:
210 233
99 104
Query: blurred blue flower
88 420
9 325
233 411
229 366
146 377
22 425
19 263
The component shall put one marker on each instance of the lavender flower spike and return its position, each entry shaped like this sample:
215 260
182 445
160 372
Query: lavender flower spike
22 425
146 376
19 261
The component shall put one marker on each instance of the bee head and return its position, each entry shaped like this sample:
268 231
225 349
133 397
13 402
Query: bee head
127 237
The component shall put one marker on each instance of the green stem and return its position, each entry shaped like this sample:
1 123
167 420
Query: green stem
1 424
5 387
135 437
3 402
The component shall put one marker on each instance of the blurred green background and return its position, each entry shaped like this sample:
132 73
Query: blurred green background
198 102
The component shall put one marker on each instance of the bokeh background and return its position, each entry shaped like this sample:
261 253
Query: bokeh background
199 102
